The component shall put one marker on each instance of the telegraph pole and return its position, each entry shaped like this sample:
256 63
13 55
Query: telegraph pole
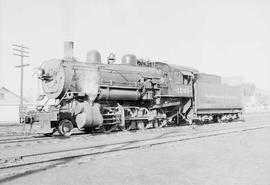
22 52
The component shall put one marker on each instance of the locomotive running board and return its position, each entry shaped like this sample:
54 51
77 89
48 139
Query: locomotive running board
165 105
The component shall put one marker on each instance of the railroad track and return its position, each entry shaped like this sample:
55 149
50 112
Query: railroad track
20 141
28 163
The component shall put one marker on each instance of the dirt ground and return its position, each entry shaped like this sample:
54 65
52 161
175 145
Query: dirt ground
239 158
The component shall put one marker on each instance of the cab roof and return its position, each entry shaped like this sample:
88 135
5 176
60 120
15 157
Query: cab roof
171 67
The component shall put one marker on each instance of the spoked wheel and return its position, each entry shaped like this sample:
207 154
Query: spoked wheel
108 128
163 123
140 125
65 127
128 126
160 123
156 123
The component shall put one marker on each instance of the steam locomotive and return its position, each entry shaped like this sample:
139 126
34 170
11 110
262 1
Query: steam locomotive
135 94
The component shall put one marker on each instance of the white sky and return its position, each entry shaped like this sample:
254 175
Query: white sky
228 38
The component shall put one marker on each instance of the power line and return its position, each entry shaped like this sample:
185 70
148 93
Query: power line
22 52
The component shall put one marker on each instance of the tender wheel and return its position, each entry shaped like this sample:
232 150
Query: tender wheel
65 127
190 121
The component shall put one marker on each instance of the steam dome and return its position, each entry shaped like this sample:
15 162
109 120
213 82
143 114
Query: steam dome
93 57
129 59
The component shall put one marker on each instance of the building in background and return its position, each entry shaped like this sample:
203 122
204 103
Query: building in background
9 106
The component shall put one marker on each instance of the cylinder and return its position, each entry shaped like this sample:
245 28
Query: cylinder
68 50
119 94
88 115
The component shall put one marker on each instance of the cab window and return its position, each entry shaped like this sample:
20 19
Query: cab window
186 80
178 78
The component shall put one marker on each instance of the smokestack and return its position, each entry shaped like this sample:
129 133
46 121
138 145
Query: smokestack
68 50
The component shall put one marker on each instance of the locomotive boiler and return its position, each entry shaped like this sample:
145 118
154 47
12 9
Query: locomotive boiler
132 94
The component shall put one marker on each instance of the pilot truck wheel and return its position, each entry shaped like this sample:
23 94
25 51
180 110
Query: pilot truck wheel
65 127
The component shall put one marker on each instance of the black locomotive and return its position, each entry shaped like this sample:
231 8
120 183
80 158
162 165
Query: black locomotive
136 94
